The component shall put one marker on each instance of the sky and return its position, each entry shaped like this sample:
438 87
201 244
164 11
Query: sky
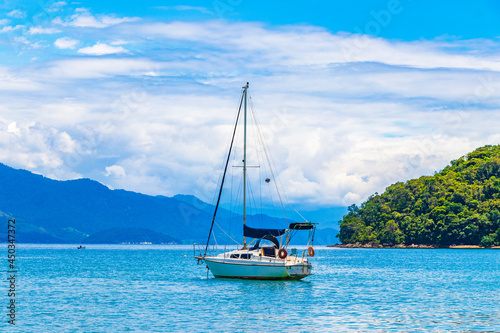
141 95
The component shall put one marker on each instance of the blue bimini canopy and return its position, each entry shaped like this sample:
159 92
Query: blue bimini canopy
269 234
260 233
301 226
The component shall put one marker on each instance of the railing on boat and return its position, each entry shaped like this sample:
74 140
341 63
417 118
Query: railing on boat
214 250
211 251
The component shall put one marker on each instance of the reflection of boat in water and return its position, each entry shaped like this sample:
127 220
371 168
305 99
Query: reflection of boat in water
274 262
80 247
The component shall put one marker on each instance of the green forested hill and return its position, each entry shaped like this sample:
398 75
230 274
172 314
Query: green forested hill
459 205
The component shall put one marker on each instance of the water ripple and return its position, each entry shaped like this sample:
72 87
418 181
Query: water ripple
157 289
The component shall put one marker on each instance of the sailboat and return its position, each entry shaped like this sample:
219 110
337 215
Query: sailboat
276 261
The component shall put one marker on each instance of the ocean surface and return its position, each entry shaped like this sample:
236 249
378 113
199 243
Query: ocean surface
148 288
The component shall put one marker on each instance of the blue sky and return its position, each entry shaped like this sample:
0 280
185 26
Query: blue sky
410 20
355 95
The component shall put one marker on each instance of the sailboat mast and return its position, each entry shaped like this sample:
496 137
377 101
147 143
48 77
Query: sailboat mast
245 165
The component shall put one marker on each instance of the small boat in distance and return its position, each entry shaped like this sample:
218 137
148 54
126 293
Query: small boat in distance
80 247
276 261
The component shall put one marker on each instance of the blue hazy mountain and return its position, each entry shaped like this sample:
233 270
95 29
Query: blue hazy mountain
130 236
51 211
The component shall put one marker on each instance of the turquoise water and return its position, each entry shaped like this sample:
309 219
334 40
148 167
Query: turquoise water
157 289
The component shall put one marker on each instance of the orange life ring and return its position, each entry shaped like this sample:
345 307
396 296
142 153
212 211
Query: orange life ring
282 253
310 249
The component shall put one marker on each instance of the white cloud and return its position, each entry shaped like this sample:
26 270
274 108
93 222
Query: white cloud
64 143
115 171
342 122
42 30
110 20
102 49
85 19
12 128
4 21
119 42
312 46
28 145
185 8
10 82
16 13
11 28
27 44
99 68
66 43
56 6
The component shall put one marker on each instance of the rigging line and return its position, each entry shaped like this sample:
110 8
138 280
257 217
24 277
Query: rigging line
278 185
285 201
234 198
253 209
267 157
232 194
235 120
272 166
215 240
224 175
229 236
259 162
230 200
236 184
260 194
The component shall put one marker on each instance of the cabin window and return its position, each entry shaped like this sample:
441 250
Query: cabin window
235 256
269 251
245 256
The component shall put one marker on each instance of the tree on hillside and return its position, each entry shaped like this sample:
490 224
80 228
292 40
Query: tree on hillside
459 205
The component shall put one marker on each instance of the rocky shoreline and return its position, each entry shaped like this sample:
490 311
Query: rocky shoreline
412 246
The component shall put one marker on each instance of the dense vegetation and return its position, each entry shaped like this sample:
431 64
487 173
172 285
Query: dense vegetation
459 205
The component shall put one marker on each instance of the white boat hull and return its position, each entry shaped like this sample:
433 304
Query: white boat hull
255 269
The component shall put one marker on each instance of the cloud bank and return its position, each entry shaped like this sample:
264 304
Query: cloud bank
345 114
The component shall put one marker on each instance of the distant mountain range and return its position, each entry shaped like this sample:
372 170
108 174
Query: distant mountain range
85 211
